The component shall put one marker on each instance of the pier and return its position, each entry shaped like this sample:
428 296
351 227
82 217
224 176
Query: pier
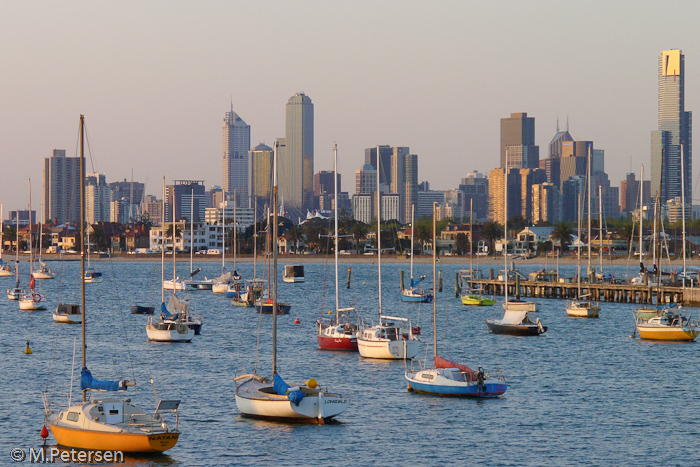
608 292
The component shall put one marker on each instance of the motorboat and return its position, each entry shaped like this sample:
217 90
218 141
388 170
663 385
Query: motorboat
67 314
294 273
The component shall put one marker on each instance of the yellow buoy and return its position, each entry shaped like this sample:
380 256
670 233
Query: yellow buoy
311 383
28 350
330 312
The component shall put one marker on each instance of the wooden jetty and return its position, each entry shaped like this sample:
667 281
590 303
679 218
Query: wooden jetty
603 291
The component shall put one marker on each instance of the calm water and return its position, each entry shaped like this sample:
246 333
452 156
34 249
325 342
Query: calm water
584 393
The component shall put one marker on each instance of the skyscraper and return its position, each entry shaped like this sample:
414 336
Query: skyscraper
296 160
518 150
62 187
675 129
97 198
236 144
260 175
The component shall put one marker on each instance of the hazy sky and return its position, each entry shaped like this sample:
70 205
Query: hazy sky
154 79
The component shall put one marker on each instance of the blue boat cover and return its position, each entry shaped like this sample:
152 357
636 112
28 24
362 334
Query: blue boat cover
87 382
282 389
164 310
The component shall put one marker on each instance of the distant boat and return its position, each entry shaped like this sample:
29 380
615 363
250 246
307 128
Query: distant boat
5 269
516 314
414 293
294 273
669 326
580 308
32 300
67 314
470 298
141 310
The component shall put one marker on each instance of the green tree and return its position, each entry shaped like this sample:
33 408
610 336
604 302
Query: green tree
563 234
491 231
462 243
359 233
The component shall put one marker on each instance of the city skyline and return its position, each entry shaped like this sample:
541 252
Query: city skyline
154 96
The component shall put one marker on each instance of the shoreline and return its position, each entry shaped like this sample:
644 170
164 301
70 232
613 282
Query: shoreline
315 258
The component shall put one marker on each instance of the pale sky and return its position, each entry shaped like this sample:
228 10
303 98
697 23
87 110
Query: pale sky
154 79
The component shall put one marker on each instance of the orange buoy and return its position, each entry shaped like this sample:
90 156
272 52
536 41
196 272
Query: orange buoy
297 321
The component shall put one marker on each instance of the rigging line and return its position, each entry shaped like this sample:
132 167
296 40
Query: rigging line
257 344
121 315
87 139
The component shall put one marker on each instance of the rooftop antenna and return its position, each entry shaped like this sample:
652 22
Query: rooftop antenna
567 122
557 123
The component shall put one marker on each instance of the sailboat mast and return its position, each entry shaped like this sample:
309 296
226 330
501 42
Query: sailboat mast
174 230
223 232
335 202
162 247
683 209
588 181
31 250
600 226
505 236
578 253
434 284
82 233
641 217
413 226
471 235
235 230
191 230
255 240
274 266
379 236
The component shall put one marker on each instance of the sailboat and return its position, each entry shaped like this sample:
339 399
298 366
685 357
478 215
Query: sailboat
413 293
581 308
257 396
338 334
471 298
221 283
16 292
516 317
91 276
43 271
392 337
175 283
32 300
5 269
192 283
107 423
169 326
253 287
450 378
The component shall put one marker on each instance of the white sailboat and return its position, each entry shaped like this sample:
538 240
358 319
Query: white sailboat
16 292
107 423
175 283
168 325
393 337
43 272
5 269
450 378
192 283
33 300
340 333
414 293
580 308
91 275
261 397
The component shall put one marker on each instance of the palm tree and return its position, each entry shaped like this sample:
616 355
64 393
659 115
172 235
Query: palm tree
294 235
563 234
359 233
491 231
423 234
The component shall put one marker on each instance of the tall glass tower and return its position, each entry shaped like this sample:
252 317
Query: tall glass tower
236 145
674 130
296 161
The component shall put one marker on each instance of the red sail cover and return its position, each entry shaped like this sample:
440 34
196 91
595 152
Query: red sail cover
444 363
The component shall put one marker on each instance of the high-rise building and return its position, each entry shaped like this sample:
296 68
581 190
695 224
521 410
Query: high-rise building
236 144
62 187
497 180
296 158
675 130
385 156
129 195
629 194
528 178
260 173
574 160
518 148
545 203
183 192
98 195
404 180
475 190
366 180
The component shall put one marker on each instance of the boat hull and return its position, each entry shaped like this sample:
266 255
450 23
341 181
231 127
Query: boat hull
67 318
337 343
42 275
141 310
266 308
178 333
515 329
411 296
31 305
388 350
441 386
582 310
667 333
256 399
476 300
219 288
102 441
294 279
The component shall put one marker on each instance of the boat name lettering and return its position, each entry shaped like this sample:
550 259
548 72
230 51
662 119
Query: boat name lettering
335 401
